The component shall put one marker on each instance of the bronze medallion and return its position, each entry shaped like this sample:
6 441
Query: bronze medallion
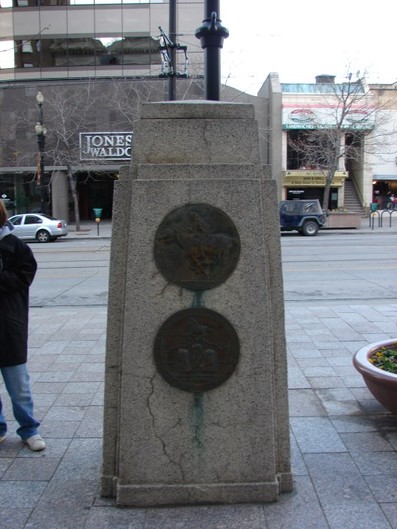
196 350
196 246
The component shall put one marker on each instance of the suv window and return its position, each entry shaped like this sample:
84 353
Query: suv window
290 207
310 207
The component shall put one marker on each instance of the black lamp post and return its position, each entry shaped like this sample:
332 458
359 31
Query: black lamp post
211 35
41 132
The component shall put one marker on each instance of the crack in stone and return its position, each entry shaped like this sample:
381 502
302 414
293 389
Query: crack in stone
156 434
207 142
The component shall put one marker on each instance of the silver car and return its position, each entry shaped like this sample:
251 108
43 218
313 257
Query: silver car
37 226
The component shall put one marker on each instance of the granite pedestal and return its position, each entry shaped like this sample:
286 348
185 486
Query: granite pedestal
164 445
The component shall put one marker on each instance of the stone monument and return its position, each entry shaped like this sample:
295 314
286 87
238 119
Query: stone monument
196 407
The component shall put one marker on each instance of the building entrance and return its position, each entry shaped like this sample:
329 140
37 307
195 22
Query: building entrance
95 191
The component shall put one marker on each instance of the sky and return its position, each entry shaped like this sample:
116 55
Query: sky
302 39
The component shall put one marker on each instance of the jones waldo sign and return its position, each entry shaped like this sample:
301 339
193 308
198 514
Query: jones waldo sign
105 145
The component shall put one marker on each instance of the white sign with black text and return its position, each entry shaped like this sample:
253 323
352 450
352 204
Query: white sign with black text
105 145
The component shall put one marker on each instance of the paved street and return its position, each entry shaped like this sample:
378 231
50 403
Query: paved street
71 272
340 293
340 265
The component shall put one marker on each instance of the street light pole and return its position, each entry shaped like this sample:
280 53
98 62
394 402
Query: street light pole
41 132
211 35
172 33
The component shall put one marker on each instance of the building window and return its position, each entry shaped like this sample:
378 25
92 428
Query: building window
27 47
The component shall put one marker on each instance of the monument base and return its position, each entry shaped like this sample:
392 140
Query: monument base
196 493
220 493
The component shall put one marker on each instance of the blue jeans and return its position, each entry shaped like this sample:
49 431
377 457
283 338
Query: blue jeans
17 382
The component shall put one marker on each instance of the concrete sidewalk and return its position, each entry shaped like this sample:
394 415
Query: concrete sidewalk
344 444
91 229
383 225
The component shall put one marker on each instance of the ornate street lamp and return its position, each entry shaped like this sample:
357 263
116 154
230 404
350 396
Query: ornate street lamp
41 132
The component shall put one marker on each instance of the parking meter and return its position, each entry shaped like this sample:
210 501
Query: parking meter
98 215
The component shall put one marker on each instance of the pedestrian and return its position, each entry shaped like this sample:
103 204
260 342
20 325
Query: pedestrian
390 203
17 270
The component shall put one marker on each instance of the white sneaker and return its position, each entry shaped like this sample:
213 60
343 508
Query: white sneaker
35 443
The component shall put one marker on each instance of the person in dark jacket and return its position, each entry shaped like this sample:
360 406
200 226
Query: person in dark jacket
17 270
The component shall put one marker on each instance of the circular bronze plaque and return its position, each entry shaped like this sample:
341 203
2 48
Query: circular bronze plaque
196 350
196 246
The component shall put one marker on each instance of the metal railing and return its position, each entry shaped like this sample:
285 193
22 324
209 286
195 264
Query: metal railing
379 215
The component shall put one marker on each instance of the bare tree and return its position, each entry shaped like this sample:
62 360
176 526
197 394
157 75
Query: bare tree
127 98
95 105
69 110
348 125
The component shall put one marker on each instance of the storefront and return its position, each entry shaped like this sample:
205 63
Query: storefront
384 189
301 184
21 193
101 155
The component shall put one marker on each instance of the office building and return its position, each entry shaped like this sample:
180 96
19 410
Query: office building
94 63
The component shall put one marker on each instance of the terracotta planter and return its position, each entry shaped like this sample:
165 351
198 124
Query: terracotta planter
382 384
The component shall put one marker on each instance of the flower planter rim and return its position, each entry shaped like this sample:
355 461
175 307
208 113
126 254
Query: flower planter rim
363 365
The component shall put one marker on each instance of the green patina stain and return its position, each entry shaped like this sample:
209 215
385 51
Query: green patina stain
197 300
198 419
197 404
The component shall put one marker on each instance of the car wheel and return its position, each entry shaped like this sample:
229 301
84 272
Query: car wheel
310 228
43 236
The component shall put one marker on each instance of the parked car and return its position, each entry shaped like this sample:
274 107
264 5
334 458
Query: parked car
41 227
304 216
